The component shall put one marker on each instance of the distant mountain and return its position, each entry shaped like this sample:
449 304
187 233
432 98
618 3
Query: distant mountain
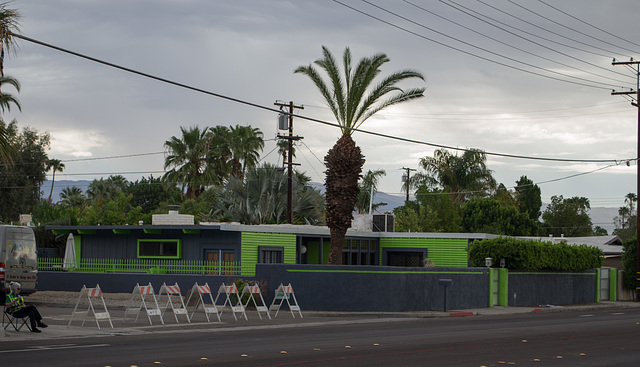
60 185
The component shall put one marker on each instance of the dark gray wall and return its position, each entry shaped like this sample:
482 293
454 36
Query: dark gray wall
551 288
377 288
362 288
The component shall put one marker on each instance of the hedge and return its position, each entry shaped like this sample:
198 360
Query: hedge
535 255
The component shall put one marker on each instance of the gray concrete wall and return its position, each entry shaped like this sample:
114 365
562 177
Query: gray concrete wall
377 288
551 288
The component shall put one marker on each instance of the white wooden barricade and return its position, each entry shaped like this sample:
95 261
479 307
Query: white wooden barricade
252 290
282 293
138 301
172 292
194 302
91 294
227 291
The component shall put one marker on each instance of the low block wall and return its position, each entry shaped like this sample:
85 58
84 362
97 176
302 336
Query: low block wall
551 288
378 289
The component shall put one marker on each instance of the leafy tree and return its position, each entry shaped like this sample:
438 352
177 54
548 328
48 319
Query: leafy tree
528 198
53 165
432 211
368 183
20 182
626 221
568 216
352 98
115 211
149 193
488 216
464 176
504 197
629 262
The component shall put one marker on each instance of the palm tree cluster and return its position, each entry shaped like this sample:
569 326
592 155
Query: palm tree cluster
207 157
8 27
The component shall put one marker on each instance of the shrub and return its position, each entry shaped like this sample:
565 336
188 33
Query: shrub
535 255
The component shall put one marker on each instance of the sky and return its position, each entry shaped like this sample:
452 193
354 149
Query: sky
530 78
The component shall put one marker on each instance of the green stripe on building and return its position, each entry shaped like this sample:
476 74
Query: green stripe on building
251 242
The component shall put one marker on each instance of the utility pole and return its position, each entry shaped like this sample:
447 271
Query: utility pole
408 179
634 102
290 163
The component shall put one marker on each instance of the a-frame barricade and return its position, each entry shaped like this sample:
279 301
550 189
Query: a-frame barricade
252 291
91 295
196 298
227 291
138 301
282 293
173 295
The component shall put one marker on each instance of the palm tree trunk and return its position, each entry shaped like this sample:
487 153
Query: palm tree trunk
53 179
344 164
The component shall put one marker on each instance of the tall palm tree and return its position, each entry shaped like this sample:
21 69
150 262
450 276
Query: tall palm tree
353 98
8 27
187 156
368 183
54 165
6 99
464 176
72 197
246 144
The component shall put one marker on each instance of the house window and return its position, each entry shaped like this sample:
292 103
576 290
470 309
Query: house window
271 255
407 257
360 252
165 249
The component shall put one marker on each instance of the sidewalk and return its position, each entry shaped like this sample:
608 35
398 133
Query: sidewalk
57 307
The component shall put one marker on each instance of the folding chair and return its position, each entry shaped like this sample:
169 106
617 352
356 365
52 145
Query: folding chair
15 321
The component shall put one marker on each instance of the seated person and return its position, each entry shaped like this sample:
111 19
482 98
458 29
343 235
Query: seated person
16 307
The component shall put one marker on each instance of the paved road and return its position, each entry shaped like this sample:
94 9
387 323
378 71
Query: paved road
584 337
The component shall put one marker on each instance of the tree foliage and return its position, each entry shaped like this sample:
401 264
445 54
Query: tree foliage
535 255
629 262
488 216
528 198
20 181
568 217
464 176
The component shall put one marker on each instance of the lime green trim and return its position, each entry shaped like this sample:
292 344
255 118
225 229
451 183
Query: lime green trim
178 253
60 231
442 251
86 231
77 244
382 272
121 231
539 273
598 285
250 248
613 284
492 286
152 230
503 287
190 231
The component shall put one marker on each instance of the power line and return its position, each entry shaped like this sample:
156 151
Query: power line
163 80
589 24
566 26
481 48
523 50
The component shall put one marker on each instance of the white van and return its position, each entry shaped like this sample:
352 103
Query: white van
18 259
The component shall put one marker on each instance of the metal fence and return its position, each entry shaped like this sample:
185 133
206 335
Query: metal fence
150 266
